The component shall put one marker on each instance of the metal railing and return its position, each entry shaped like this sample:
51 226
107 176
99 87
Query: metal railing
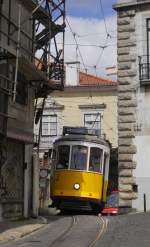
144 69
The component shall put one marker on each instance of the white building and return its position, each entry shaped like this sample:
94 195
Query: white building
133 102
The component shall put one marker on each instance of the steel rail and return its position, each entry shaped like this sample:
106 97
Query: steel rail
64 233
101 232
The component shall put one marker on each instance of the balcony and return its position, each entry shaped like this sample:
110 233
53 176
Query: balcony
144 70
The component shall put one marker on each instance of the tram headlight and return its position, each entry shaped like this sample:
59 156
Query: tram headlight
76 186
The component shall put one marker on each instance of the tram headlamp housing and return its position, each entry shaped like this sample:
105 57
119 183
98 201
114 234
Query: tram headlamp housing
76 186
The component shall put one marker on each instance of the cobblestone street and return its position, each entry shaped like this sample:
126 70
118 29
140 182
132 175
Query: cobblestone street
127 231
130 230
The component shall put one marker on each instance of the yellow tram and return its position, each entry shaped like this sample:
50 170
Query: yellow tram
79 175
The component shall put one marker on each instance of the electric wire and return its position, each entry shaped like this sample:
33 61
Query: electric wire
88 45
102 11
77 46
91 67
80 54
74 36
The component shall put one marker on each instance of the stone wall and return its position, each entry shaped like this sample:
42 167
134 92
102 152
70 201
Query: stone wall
127 79
12 180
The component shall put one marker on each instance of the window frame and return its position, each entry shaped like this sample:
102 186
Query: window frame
100 162
49 125
57 157
91 114
148 38
87 157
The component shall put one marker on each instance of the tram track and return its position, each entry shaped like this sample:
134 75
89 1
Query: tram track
69 231
65 233
76 221
101 232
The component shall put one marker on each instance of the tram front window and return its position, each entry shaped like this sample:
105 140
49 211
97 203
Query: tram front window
95 159
79 157
63 157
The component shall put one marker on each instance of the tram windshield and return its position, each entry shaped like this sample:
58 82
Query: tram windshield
79 157
95 163
63 157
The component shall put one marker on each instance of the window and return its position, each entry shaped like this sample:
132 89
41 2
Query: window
49 125
148 39
79 157
92 121
144 61
63 157
95 163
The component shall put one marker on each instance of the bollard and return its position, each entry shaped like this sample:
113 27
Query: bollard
144 202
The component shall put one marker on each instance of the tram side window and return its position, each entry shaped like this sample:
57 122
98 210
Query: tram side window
95 159
63 157
79 157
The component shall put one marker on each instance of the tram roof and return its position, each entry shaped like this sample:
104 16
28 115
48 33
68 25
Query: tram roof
86 138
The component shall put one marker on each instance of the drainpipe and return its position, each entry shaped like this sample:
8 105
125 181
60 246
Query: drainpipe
35 200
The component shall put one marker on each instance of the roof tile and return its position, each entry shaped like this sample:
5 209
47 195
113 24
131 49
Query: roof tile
91 80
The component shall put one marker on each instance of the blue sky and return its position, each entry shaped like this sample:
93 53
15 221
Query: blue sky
89 8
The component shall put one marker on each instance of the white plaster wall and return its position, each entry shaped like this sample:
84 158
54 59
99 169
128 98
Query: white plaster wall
143 188
72 75
142 139
142 172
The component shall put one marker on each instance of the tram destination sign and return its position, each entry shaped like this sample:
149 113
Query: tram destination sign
80 131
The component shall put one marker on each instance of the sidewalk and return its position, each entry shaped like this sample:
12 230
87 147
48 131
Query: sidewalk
13 230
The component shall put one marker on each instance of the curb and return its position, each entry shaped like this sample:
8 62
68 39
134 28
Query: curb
21 231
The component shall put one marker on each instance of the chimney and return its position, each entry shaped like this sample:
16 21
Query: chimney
72 73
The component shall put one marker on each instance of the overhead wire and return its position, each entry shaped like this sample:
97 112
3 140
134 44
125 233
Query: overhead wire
88 45
77 47
74 36
93 34
93 45
91 67
107 35
102 11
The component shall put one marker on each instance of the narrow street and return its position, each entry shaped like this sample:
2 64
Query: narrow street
74 123
127 231
90 231
65 231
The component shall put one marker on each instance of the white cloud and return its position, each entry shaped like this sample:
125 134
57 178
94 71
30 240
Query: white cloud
125 1
82 27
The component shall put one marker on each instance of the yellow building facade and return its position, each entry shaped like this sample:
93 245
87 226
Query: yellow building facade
91 103
79 102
